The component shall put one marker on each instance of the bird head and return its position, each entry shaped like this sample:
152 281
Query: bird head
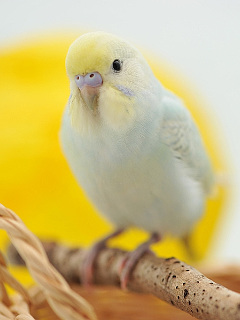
107 78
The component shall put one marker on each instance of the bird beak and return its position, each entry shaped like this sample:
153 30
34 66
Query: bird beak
89 86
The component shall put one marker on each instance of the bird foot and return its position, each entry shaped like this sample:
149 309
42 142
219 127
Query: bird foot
132 258
91 255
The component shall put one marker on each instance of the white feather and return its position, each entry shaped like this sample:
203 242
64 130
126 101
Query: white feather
141 162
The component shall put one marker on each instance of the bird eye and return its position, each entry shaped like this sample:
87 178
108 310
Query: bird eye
117 65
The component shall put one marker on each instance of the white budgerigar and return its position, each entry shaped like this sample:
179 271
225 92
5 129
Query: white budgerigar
131 143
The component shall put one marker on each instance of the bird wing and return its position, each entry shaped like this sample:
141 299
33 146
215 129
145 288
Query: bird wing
181 135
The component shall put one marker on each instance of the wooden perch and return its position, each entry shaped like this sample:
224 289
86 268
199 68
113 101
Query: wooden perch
168 279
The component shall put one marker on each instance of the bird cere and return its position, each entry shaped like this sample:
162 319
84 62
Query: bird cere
132 145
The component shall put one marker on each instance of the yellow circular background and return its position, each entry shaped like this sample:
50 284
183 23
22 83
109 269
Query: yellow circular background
35 179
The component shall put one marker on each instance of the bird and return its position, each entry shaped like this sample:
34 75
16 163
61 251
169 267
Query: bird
132 145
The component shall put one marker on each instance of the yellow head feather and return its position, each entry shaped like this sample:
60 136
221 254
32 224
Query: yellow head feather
86 54
95 51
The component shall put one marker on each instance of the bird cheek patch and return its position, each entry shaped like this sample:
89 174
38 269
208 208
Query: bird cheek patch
116 109
125 91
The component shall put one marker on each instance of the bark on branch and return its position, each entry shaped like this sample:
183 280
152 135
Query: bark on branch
168 279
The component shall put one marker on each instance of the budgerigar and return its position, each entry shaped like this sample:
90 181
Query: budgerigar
131 144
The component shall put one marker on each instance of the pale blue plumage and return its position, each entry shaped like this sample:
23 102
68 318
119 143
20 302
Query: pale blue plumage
137 152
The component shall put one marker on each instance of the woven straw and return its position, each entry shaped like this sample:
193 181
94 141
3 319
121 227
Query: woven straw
52 286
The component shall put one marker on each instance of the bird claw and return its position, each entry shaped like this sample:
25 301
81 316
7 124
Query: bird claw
127 266
87 269
132 258
88 263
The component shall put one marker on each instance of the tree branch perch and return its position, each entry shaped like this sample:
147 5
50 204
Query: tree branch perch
168 279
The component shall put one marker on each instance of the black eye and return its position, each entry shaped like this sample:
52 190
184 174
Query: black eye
117 65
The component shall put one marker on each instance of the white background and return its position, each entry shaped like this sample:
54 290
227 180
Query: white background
201 39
